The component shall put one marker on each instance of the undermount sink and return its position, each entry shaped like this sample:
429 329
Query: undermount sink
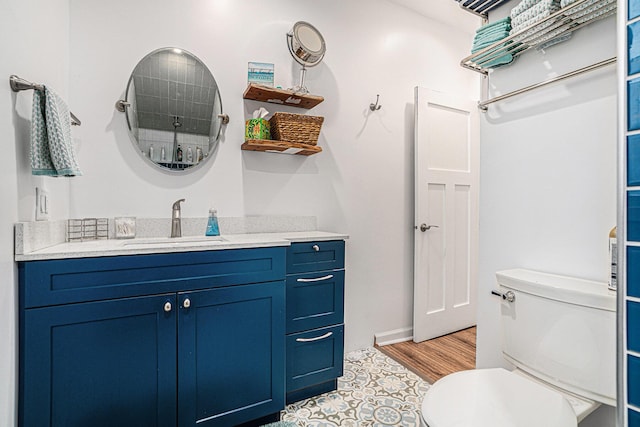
177 241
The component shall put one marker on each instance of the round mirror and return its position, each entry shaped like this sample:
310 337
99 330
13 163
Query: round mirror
173 109
306 44
307 47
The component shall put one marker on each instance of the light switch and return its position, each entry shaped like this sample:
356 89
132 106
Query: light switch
42 204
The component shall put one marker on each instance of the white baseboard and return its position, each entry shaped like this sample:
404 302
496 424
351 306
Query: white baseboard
393 337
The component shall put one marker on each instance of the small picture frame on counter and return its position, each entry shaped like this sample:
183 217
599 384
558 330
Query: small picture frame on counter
125 227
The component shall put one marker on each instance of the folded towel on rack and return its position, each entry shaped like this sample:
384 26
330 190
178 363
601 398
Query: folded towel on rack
536 13
52 151
499 24
589 10
523 6
545 34
491 34
486 41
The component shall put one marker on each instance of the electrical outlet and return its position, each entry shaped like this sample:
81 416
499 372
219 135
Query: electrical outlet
42 204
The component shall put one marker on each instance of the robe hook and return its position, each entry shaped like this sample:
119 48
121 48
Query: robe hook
375 107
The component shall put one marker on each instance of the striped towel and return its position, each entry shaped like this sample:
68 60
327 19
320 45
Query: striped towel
52 151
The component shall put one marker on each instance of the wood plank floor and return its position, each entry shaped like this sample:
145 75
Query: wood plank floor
433 359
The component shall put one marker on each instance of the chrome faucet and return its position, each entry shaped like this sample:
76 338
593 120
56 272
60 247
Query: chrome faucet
176 221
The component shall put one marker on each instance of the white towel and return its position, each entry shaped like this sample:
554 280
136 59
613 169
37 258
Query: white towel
52 151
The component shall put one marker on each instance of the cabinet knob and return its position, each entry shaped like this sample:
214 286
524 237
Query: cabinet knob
167 306
186 303
316 248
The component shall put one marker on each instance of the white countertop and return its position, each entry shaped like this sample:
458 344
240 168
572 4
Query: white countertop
114 247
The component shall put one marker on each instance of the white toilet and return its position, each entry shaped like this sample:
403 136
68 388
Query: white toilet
560 334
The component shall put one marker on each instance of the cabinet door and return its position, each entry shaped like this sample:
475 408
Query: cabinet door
98 364
231 359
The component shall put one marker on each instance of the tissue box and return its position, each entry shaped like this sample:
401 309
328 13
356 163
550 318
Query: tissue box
257 129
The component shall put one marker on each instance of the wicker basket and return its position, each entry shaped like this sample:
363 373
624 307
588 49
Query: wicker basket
298 128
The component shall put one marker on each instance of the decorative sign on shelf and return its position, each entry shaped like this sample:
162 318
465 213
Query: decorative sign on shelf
261 73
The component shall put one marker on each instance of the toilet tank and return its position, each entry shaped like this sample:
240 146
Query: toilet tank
561 330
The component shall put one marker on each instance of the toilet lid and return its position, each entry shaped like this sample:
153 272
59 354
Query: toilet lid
494 398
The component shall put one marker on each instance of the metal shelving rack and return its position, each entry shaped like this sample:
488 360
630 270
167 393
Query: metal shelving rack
568 19
480 7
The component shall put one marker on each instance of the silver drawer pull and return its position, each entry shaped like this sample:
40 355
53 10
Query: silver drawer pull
317 279
321 337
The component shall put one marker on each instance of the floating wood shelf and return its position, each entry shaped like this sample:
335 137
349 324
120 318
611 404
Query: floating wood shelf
283 147
280 96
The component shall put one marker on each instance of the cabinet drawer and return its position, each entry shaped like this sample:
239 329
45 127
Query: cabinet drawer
53 282
315 256
315 300
314 356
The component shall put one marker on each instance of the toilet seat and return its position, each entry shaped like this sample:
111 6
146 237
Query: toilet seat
494 398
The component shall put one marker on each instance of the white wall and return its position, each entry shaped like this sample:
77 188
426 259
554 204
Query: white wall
360 184
548 175
28 54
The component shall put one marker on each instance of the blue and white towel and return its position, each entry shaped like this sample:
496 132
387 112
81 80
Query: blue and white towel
52 151
535 13
488 35
589 9
523 6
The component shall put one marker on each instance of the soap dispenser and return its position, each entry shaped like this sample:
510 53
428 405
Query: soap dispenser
179 154
212 224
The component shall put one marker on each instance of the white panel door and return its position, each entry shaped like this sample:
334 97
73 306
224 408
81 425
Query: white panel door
446 214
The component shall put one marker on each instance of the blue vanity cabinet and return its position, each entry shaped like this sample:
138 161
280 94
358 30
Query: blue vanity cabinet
315 318
182 339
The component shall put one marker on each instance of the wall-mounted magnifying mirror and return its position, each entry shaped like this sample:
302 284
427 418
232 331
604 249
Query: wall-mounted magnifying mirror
173 109
307 47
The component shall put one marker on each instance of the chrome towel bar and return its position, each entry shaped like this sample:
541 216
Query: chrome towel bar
483 106
18 84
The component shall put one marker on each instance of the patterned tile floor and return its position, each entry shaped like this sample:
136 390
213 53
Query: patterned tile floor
375 391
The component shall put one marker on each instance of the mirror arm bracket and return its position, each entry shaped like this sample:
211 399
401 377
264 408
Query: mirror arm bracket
121 105
224 118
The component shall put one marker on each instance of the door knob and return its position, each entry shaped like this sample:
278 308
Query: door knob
167 306
425 227
316 248
186 303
